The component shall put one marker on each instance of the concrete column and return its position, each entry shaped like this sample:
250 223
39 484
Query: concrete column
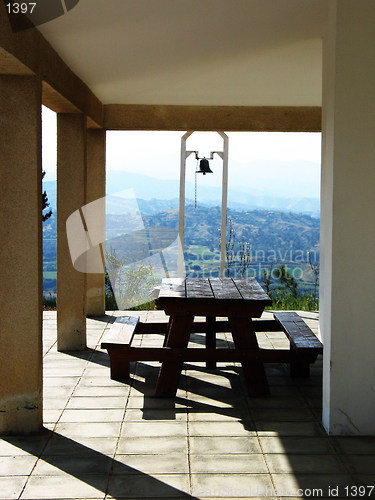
348 228
71 185
95 189
20 255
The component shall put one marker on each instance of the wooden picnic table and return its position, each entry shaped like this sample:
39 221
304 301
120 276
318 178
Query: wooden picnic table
242 302
239 300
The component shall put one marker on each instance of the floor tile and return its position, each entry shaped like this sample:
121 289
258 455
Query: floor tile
214 446
97 371
98 429
92 463
142 485
228 463
288 429
57 392
19 445
11 487
60 371
104 402
150 414
58 403
91 416
112 391
279 402
80 446
51 416
354 445
221 429
304 445
17 465
100 382
157 429
222 401
288 463
155 403
220 415
60 381
360 464
46 487
153 445
282 414
151 464
233 485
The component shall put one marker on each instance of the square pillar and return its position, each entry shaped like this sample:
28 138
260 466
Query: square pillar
95 189
20 255
347 297
71 197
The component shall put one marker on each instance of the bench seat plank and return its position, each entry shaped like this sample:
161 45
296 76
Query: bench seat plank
117 341
299 334
303 342
120 333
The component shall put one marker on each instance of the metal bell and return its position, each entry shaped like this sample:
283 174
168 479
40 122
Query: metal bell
204 167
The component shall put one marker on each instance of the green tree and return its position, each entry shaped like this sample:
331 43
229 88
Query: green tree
131 285
45 203
288 284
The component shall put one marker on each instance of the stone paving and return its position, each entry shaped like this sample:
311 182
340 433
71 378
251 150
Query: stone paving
105 439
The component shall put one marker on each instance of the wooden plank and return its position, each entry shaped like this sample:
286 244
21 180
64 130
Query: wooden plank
172 287
120 333
250 289
210 339
119 365
260 325
299 334
266 325
212 307
170 371
244 338
224 288
152 328
179 354
198 288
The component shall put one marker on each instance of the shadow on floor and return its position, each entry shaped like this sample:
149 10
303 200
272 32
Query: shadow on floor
95 469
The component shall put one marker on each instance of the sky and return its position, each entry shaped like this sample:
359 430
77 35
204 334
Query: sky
256 160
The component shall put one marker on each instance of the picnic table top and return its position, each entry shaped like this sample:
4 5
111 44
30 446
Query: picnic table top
243 290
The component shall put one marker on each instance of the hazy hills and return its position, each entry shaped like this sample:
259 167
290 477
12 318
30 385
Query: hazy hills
159 194
274 224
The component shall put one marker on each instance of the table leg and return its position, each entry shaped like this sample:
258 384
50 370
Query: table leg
170 371
167 334
244 337
211 339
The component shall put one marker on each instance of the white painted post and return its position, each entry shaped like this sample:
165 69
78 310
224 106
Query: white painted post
224 204
181 224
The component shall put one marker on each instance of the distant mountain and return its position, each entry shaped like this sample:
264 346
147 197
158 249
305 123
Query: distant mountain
279 237
154 194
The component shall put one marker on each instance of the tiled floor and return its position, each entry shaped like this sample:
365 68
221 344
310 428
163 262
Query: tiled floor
105 439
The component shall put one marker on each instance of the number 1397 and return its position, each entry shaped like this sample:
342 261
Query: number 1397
21 8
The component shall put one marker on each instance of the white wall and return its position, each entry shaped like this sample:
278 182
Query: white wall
348 223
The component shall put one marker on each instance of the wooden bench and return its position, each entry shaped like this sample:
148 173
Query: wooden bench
303 343
117 341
